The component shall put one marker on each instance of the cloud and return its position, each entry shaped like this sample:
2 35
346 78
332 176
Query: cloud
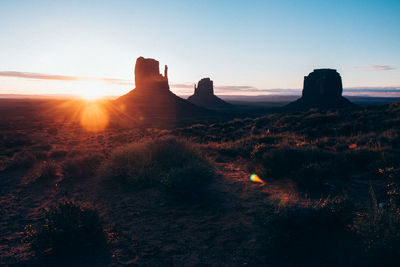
180 85
43 76
238 87
372 89
254 91
375 67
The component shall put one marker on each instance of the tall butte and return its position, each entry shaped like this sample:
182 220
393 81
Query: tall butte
204 95
322 89
148 77
151 102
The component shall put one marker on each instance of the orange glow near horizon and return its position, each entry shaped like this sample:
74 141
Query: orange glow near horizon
90 95
94 116
92 90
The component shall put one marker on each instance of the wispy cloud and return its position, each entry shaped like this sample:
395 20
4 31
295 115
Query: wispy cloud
43 76
236 87
254 91
187 88
182 85
375 67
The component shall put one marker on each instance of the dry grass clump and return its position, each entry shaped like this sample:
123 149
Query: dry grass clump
168 162
52 131
318 235
82 166
22 161
380 228
309 169
58 154
49 170
67 233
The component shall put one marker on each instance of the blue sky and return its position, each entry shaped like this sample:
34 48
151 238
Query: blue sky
250 45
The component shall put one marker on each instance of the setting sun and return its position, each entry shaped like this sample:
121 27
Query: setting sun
90 95
94 116
92 90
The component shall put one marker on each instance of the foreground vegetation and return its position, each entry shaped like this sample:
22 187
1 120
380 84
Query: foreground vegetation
330 192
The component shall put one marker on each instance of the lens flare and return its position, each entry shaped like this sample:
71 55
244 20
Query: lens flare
255 179
94 117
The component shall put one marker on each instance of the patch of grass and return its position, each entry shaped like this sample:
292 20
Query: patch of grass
22 161
380 228
68 232
48 170
58 154
52 131
309 169
82 166
15 140
168 162
318 235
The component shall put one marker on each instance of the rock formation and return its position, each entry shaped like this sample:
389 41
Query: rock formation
204 95
151 102
322 89
148 76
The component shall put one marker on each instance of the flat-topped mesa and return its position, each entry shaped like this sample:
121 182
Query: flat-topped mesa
322 89
322 83
148 76
204 87
204 95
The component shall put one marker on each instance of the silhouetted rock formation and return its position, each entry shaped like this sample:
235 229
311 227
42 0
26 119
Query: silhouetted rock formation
204 95
151 102
322 89
148 77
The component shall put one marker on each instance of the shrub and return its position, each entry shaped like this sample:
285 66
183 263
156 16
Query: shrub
380 228
175 164
49 170
312 236
67 232
81 167
58 154
188 179
23 160
362 159
279 163
259 151
242 147
309 169
52 131
16 140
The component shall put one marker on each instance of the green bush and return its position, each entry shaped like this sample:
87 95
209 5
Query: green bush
67 232
169 162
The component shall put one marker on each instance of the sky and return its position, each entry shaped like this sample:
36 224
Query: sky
245 47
